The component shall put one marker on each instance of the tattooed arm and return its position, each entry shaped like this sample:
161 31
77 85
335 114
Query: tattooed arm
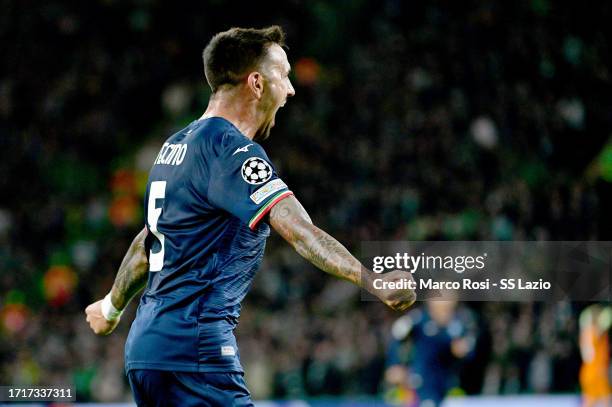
130 279
291 221
132 274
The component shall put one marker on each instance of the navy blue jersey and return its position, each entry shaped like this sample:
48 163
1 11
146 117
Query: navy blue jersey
208 190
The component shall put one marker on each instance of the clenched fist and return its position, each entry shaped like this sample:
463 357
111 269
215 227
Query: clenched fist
394 288
97 322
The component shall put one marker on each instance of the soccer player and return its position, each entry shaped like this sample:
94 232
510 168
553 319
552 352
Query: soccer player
595 321
211 194
441 334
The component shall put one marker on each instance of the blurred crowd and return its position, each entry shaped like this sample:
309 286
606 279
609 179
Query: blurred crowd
432 121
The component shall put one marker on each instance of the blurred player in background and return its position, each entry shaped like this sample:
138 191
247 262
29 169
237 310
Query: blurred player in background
210 194
595 322
440 334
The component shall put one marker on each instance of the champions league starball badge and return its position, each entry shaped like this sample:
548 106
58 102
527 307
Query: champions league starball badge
256 171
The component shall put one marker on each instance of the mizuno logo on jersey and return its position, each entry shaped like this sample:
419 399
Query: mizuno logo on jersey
244 149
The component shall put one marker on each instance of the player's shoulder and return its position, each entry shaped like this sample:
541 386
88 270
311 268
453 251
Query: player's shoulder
226 141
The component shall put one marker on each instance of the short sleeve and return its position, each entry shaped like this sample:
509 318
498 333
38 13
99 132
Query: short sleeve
244 182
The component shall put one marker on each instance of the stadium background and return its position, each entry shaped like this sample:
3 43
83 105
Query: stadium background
412 120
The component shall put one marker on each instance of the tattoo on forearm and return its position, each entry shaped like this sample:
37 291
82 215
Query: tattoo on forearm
329 255
292 222
132 274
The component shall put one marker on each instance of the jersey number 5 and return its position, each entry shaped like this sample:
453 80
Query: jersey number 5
157 191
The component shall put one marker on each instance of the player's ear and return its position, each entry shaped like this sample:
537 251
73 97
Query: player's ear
255 83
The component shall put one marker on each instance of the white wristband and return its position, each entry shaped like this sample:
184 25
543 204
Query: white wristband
109 311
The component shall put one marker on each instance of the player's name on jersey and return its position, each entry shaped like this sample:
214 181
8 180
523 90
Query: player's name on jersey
171 154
